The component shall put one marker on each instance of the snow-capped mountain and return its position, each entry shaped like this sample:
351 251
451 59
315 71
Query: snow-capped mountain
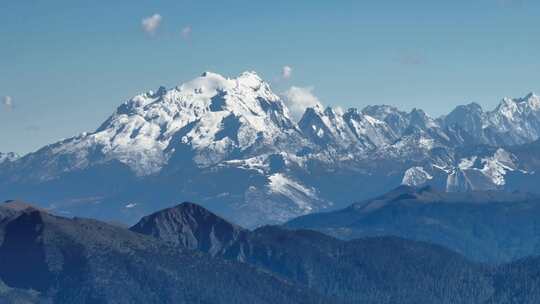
352 130
214 116
513 122
231 145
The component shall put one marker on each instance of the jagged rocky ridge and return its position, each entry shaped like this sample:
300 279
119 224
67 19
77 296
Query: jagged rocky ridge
232 145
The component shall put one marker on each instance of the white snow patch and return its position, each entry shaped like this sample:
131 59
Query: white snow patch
467 163
131 205
293 190
426 143
443 168
497 166
8 157
416 176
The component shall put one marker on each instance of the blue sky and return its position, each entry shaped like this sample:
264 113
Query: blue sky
66 65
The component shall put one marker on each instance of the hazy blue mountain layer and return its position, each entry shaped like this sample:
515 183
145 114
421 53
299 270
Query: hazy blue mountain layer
487 226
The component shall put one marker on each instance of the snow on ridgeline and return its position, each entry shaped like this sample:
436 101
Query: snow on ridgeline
214 120
482 173
301 195
498 165
212 115
8 157
416 176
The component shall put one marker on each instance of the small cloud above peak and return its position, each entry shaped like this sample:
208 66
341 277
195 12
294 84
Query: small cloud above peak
7 102
186 32
151 24
298 99
286 72
511 3
411 59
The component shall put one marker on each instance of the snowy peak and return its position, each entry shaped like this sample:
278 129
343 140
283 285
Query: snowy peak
326 127
472 110
370 131
510 107
314 125
351 130
416 176
230 143
419 118
482 172
469 118
533 100
214 120
530 100
8 157
515 121
382 128
381 112
212 115
252 80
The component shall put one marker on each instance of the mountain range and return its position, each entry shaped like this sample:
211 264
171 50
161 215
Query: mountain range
187 254
231 144
485 226
51 259
370 270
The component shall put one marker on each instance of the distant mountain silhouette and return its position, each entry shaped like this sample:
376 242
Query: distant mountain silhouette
191 226
372 270
49 258
489 226
194 256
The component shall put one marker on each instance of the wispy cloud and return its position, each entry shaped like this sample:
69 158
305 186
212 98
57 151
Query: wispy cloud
511 3
298 99
7 102
286 72
186 32
411 58
32 128
151 24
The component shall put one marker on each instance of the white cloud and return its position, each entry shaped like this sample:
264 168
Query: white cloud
151 24
186 32
286 72
298 99
7 102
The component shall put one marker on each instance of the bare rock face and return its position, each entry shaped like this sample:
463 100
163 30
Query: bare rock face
191 226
